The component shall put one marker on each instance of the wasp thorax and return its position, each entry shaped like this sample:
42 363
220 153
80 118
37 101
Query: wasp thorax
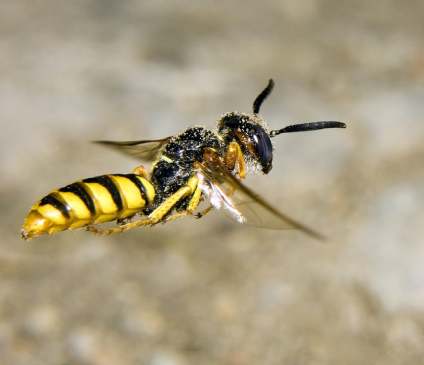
250 132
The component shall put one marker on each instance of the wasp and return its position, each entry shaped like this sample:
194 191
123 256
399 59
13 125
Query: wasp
197 165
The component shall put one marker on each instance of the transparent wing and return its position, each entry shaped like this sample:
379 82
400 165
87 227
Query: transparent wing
242 203
146 150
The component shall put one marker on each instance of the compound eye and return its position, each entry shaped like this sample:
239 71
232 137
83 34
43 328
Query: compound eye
263 148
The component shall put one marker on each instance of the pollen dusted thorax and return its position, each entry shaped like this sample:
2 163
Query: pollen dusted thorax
175 164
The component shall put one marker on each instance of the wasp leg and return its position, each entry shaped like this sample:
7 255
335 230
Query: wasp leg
126 220
157 215
192 206
234 156
195 200
141 170
122 228
204 212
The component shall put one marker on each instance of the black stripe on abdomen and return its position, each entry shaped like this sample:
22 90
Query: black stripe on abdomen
55 202
78 189
107 182
134 179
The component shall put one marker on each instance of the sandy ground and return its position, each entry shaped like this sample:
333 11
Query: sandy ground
210 291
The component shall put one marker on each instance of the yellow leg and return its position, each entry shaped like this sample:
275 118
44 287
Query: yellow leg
192 206
234 156
157 215
195 200
204 212
124 227
140 170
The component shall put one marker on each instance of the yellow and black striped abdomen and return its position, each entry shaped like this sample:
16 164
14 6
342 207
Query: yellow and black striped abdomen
90 201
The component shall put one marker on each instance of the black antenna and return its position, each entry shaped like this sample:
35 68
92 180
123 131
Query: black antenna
303 127
262 96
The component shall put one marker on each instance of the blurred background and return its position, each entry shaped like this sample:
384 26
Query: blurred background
212 291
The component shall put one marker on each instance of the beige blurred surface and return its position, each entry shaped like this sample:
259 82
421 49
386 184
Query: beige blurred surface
210 291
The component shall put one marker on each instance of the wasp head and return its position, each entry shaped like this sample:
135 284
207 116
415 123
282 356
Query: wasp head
254 137
250 132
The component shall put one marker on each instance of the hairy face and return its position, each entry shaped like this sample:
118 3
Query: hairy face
251 135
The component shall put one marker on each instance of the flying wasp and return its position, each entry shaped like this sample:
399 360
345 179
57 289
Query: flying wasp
197 165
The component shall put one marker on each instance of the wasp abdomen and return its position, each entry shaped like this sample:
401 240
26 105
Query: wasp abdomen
90 201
